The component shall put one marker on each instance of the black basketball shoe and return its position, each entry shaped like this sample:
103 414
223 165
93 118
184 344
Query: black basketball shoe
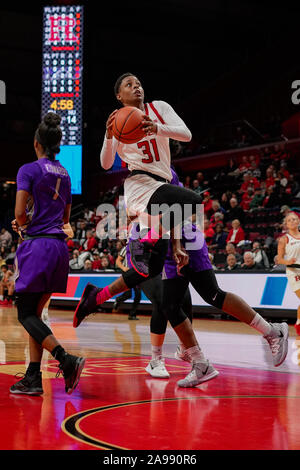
30 384
87 303
71 368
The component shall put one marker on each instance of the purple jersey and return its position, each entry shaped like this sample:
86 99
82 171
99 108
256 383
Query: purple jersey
49 185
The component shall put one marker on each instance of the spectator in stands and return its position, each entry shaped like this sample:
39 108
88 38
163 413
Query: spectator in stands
236 234
105 264
81 232
96 263
283 181
207 201
270 180
216 207
91 242
276 153
232 263
9 260
278 268
219 238
5 238
196 187
257 201
256 172
254 158
187 182
235 211
284 170
247 198
88 265
208 232
249 262
260 256
249 180
216 219
111 259
200 178
225 198
244 165
271 199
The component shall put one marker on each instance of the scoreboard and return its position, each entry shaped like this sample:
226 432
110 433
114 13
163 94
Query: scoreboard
62 82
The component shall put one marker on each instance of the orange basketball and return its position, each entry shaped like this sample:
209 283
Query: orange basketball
127 125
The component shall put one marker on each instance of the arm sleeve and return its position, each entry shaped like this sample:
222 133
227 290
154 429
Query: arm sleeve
108 153
174 127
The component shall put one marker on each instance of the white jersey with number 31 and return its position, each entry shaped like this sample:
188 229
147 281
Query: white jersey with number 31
150 154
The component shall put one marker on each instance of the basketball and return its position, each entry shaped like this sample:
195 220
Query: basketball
127 125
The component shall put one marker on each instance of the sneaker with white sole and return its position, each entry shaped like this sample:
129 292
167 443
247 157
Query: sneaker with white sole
201 372
157 368
181 355
278 342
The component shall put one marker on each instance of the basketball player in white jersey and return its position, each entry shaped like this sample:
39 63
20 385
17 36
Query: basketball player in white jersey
289 254
149 162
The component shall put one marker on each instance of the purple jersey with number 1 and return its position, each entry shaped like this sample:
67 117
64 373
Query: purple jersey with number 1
42 263
49 184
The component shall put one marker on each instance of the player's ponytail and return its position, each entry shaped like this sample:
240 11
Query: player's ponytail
49 134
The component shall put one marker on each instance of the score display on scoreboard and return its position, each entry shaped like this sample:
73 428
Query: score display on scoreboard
62 82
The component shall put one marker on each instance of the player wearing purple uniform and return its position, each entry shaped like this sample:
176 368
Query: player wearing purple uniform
43 205
200 274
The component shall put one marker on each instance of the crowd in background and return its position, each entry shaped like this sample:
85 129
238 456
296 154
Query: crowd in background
244 208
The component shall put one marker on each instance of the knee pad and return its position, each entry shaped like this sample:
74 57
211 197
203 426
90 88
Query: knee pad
215 298
27 305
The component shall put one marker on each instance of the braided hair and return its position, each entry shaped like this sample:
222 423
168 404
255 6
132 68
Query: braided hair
49 134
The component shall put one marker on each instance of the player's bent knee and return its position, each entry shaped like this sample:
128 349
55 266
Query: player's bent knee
216 299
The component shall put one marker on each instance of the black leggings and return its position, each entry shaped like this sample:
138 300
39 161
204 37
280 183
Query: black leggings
27 306
170 195
153 288
174 290
185 199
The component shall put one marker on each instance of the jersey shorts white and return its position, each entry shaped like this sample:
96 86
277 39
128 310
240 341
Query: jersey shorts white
292 250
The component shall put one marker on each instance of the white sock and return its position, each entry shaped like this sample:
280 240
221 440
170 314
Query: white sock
1 297
195 354
156 352
261 325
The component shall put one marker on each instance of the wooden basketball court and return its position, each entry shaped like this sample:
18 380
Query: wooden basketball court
118 405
